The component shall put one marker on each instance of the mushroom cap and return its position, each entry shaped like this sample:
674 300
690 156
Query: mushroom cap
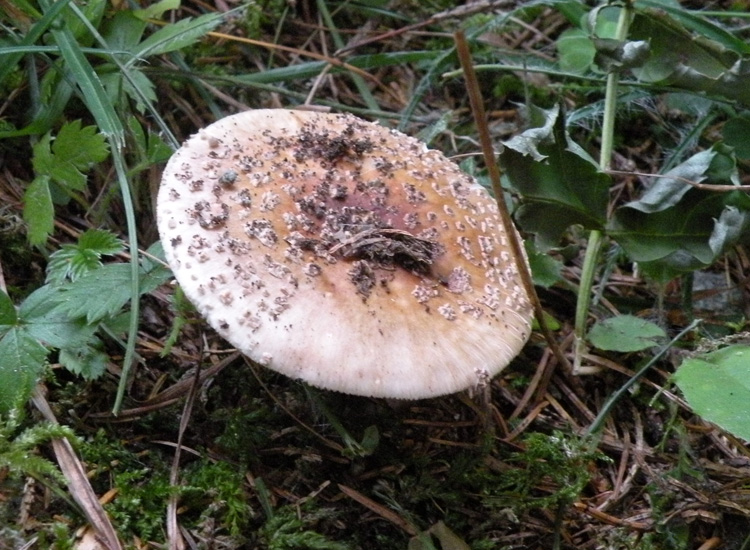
342 253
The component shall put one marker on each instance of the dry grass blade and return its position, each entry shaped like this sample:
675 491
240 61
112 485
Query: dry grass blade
77 481
477 107
380 510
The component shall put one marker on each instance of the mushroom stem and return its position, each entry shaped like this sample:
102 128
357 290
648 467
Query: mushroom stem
477 108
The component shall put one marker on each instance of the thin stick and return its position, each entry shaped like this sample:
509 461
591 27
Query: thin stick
703 186
493 169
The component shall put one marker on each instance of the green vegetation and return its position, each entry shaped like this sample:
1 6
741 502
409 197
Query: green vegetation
625 132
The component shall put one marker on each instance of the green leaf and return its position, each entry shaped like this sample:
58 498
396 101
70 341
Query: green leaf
38 211
177 35
625 333
75 149
42 159
679 239
669 189
103 292
736 133
681 59
701 24
614 55
8 315
717 387
22 361
674 227
559 184
43 321
545 270
73 260
576 51
157 9
100 242
124 32
88 361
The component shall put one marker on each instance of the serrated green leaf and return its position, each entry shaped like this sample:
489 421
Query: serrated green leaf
48 325
8 314
177 35
42 159
625 333
104 292
140 89
717 387
73 260
22 361
88 361
38 211
75 149
124 32
157 150
69 263
100 242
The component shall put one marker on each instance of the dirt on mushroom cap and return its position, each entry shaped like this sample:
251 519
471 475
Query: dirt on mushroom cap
343 253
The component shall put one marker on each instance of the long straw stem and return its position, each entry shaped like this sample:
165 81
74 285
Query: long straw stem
493 170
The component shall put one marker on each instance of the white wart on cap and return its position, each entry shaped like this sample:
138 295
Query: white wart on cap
345 254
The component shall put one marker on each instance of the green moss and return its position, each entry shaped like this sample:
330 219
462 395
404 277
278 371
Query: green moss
560 461
293 528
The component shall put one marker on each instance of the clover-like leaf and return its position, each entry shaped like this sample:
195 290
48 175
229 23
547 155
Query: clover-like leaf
625 333
717 387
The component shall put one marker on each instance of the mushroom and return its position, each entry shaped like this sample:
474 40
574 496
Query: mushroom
342 253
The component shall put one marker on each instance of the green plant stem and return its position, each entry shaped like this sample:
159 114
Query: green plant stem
97 102
596 237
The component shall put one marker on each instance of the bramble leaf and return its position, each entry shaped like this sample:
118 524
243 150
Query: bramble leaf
46 324
104 292
88 361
